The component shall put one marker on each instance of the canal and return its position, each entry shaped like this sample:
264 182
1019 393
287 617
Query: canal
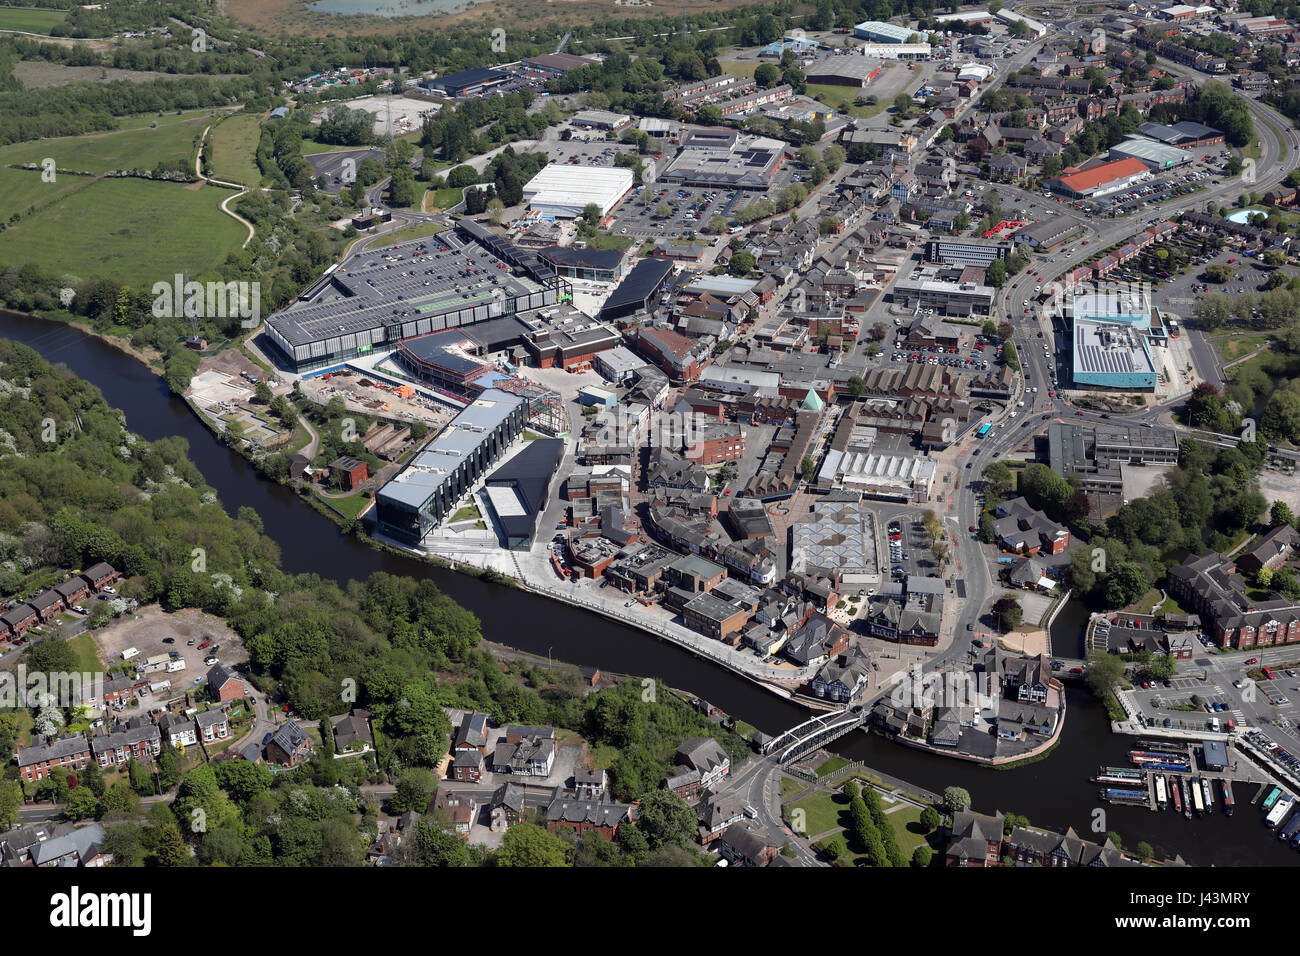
1053 793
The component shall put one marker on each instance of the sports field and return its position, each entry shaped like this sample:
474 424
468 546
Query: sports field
234 149
29 20
133 230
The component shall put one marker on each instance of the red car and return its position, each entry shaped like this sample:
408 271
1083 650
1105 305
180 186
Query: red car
1076 670
1253 660
204 644
973 528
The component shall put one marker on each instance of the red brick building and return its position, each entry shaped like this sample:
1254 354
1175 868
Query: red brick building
715 443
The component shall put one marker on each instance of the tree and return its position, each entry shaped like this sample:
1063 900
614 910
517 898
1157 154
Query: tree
998 481
414 791
921 856
666 819
955 799
996 273
808 468
527 844
857 387
663 211
81 804
767 75
741 264
1144 851
1102 673
1280 514
930 819
1008 612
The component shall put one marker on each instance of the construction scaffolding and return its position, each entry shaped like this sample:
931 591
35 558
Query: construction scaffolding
545 407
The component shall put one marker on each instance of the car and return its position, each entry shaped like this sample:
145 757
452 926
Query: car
1076 670
110 590
628 603
1283 700
198 680
204 645
1253 660
169 640
209 661
970 626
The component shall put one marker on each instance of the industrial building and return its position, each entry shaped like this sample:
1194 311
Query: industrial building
376 299
1152 154
1101 180
1049 234
843 70
1184 134
1009 17
883 32
564 191
419 497
466 83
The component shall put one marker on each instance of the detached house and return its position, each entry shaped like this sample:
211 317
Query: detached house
529 751
289 745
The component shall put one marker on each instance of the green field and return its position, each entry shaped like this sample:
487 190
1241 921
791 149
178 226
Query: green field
138 147
134 230
234 149
21 190
83 645
30 20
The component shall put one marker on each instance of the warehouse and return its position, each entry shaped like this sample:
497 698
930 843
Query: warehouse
1101 180
967 16
601 119
564 190
1150 153
896 51
844 70
1009 17
551 65
466 82
883 32
429 488
375 299
1185 134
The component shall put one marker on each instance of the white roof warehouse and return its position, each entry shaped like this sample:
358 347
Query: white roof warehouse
565 190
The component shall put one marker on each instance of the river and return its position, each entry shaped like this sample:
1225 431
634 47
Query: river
1053 793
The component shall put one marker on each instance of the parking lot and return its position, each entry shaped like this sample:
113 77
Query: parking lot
690 208
153 631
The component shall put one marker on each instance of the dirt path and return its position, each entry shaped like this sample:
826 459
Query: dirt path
225 205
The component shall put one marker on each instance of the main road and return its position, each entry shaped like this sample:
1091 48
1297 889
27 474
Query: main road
958 502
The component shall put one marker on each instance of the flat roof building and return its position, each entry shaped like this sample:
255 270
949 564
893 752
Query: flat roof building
517 492
961 299
1150 153
1101 180
1111 355
883 32
467 82
955 252
418 498
564 190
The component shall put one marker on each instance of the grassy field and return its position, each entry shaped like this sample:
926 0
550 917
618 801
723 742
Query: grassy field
310 148
22 190
30 19
348 507
1234 345
422 231
435 200
234 148
137 147
83 645
133 230
822 811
